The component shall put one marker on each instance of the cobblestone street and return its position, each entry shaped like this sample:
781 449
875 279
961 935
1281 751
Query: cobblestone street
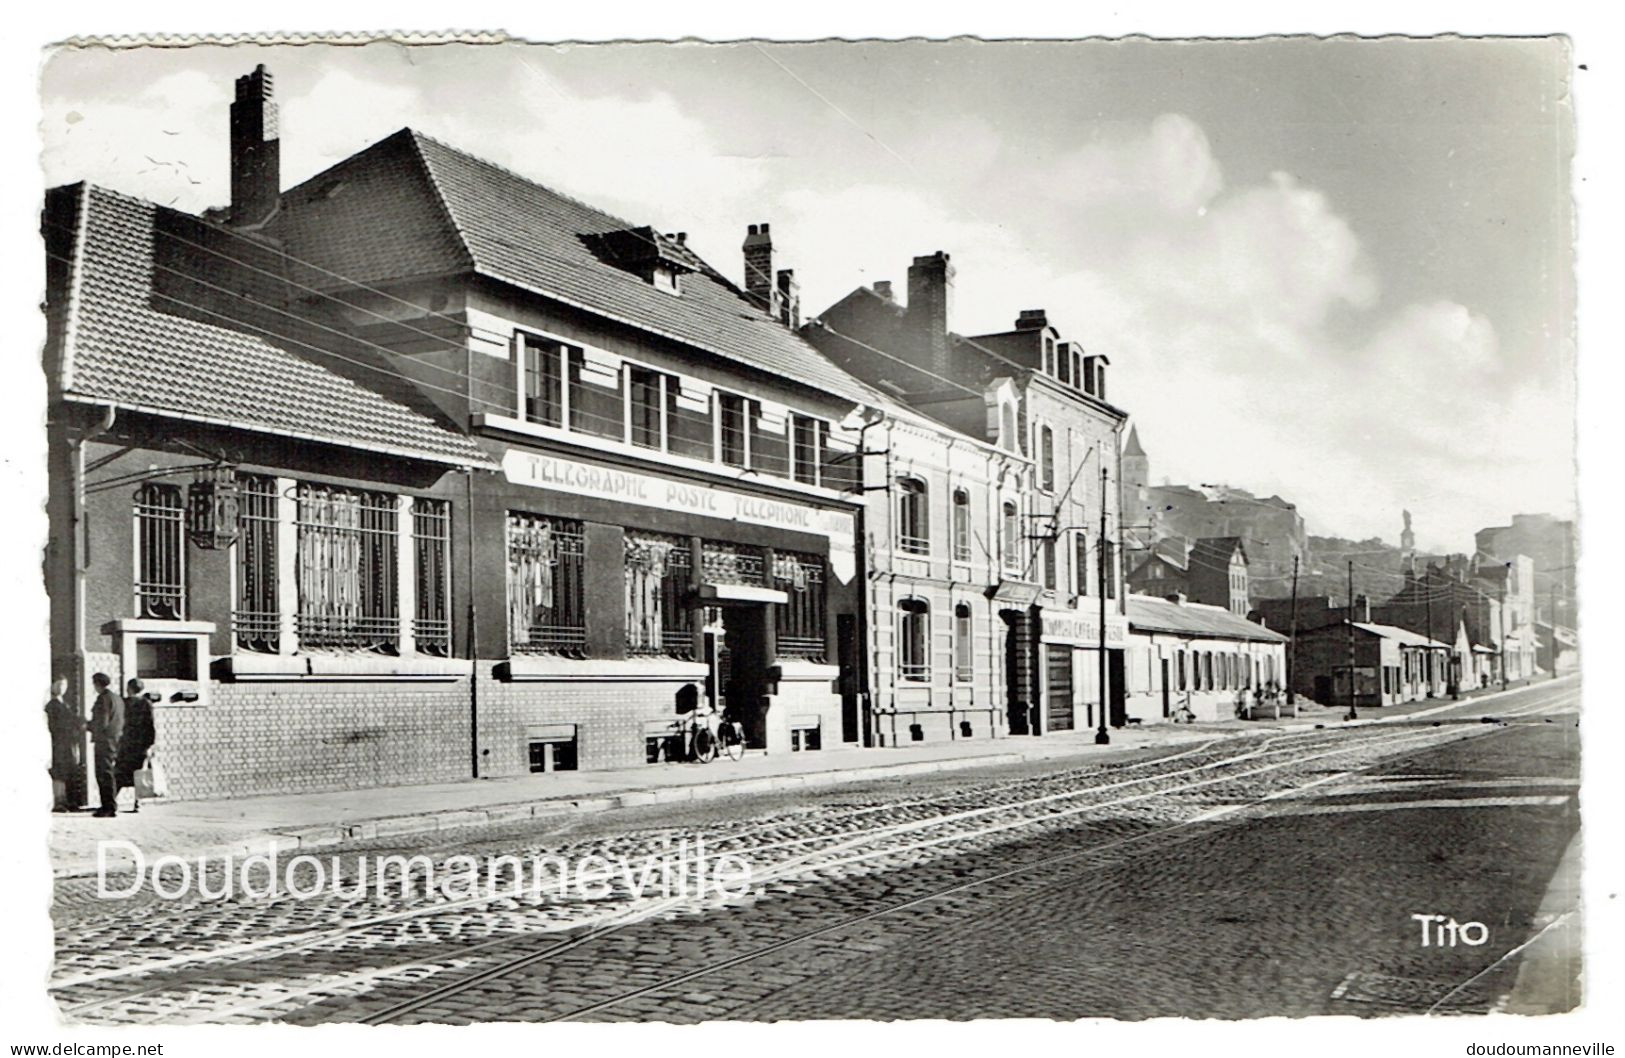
1242 877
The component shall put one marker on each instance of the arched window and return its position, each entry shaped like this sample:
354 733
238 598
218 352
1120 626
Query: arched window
1012 537
914 640
913 532
964 655
1046 458
961 525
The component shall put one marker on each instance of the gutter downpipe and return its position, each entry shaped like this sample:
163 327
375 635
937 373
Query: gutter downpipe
81 553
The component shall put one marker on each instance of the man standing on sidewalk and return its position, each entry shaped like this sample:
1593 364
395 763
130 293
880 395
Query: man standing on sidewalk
107 728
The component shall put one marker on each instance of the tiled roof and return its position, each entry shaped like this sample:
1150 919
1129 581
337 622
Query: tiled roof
1159 615
1403 636
412 206
123 351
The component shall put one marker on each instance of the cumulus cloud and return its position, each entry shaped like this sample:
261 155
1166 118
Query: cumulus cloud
1244 321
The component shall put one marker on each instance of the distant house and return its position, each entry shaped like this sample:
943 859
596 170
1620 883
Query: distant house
1387 664
1197 657
1218 573
1165 571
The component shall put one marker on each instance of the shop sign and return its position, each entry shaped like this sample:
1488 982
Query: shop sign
1082 628
647 490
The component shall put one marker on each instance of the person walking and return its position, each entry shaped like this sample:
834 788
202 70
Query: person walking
67 729
107 728
139 735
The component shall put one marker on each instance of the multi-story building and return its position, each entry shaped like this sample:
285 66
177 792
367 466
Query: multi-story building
1270 528
655 502
269 544
1553 546
1031 393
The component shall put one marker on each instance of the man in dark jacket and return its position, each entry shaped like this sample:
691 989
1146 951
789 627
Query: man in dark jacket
107 728
137 739
67 729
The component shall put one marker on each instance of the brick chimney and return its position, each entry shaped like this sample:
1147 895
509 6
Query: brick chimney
256 150
789 293
1032 320
882 289
930 304
759 268
1360 612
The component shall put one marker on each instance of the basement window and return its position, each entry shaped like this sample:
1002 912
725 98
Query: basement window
551 748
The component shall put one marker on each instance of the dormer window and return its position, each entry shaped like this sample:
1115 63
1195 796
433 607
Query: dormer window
659 260
666 279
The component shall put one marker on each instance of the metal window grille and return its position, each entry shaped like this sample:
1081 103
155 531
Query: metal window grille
912 535
256 618
347 569
659 581
799 623
546 603
544 382
160 577
914 641
431 550
725 563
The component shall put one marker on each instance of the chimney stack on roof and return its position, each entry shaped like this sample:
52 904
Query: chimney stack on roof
930 304
1032 320
759 266
256 150
789 299
882 289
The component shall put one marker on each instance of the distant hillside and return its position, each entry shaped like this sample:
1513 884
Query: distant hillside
1379 568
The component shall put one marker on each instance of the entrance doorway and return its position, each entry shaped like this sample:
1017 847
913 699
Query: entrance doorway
1117 712
1059 660
848 658
736 653
1020 696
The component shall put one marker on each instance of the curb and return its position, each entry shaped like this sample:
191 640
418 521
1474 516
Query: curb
305 840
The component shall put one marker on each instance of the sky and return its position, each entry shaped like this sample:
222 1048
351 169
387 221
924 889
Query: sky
1337 270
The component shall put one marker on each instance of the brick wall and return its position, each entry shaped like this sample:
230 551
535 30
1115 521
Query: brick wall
609 716
258 738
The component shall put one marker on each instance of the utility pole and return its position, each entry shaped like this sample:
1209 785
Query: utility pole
1501 615
1427 601
1102 738
1354 709
1292 636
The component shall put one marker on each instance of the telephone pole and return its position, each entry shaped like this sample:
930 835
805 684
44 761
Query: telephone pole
1354 709
1292 636
1501 615
1102 738
1427 601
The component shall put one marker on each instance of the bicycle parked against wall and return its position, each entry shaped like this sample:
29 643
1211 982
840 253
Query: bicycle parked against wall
702 738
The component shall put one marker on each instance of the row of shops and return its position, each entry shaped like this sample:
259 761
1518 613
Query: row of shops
367 496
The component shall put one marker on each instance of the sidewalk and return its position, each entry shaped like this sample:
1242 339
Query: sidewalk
294 822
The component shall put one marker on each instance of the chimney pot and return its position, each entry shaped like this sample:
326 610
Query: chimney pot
256 149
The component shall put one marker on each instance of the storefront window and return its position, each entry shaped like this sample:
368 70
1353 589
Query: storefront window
658 581
256 617
799 622
347 569
160 583
546 614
